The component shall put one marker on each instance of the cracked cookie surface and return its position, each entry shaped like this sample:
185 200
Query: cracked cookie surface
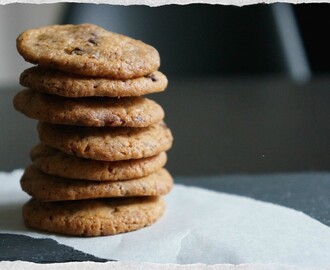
89 50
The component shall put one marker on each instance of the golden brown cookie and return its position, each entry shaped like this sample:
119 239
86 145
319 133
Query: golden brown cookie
52 161
46 187
106 143
93 217
89 50
70 85
92 111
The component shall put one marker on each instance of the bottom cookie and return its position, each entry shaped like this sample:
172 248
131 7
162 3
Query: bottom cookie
98 217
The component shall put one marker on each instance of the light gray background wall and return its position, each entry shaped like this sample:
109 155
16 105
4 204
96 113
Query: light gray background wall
14 19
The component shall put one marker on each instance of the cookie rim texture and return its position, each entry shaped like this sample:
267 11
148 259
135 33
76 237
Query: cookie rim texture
106 143
92 111
45 187
72 85
53 161
89 50
90 218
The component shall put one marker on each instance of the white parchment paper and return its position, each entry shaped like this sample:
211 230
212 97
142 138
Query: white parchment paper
143 266
199 226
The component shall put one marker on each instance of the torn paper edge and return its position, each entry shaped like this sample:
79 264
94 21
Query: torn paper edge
156 3
139 266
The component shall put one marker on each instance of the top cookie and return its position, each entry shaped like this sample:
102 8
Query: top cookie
89 50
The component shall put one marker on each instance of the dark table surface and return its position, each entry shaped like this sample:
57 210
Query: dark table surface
267 139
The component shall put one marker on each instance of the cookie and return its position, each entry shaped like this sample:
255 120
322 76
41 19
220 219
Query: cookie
70 85
52 161
45 187
109 144
93 217
89 50
93 111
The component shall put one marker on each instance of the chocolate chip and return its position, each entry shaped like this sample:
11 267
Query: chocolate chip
77 51
93 41
152 77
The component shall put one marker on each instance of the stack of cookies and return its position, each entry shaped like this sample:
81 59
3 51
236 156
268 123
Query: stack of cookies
99 166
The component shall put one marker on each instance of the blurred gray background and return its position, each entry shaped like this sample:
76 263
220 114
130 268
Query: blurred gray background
248 89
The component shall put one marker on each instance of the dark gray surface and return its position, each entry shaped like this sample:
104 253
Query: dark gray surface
306 192
220 126
247 126
20 247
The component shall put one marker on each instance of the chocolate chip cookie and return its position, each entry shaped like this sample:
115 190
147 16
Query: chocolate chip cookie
93 217
106 143
89 50
52 161
71 85
96 111
45 187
